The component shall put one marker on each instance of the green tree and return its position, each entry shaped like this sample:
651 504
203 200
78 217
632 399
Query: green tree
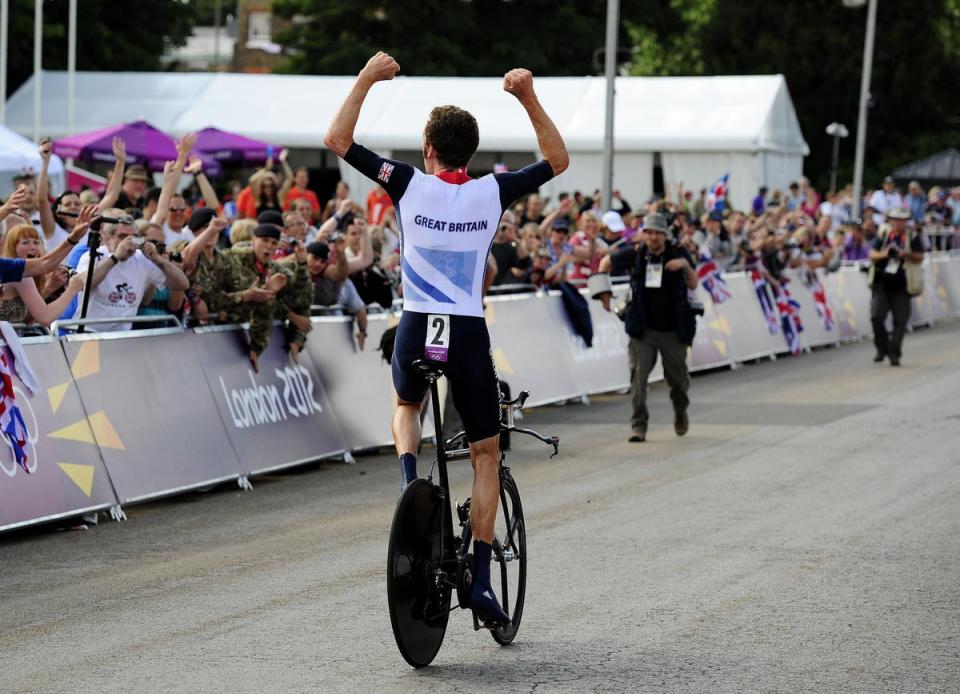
446 37
110 35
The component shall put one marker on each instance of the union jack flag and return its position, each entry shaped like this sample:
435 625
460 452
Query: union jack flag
11 421
789 309
717 199
812 282
386 170
708 272
766 304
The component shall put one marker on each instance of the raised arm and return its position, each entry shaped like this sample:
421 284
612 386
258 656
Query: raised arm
287 176
191 254
42 312
365 259
112 193
519 82
171 178
47 223
339 135
195 167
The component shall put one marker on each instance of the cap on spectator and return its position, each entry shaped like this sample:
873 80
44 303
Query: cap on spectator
613 221
561 224
655 222
24 176
888 179
200 218
716 216
136 173
267 231
543 253
508 218
270 217
898 213
318 249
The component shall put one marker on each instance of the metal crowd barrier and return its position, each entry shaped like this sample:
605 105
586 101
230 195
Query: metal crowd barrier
126 417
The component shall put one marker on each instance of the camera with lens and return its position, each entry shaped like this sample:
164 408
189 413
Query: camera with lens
893 252
334 237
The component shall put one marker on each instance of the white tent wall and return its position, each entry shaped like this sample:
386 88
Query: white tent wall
18 154
632 175
698 170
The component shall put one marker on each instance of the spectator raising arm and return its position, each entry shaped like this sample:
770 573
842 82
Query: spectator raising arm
112 193
171 178
176 280
288 176
365 259
195 167
47 224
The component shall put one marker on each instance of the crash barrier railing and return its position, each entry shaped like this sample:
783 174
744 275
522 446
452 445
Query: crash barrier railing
126 417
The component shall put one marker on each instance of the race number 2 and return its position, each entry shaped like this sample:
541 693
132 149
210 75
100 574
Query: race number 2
437 346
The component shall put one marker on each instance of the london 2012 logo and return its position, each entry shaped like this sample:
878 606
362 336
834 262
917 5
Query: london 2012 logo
8 460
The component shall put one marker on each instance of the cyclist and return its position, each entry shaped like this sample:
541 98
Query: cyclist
448 222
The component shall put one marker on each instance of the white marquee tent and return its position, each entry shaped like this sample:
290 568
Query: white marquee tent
18 155
698 127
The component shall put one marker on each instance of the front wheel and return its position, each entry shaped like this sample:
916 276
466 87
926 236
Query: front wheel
510 553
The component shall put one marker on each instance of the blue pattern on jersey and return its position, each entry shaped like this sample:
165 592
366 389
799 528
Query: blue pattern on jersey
410 293
424 286
456 266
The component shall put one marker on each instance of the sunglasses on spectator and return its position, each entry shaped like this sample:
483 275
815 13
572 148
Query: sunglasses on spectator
178 209
295 224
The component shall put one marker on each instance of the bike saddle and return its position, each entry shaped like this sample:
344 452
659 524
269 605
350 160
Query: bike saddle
428 369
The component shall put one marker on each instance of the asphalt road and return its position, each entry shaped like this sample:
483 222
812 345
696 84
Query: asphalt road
804 536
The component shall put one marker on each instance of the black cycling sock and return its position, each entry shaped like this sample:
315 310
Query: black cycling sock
408 469
481 562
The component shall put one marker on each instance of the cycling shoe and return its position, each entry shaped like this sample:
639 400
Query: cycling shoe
484 602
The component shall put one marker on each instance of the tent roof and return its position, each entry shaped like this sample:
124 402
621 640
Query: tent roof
17 154
941 167
738 113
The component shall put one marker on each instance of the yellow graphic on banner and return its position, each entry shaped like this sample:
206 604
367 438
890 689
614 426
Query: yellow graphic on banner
80 475
56 395
87 362
721 325
721 346
503 364
97 425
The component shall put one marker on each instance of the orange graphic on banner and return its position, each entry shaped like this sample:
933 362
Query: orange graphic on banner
56 395
87 362
98 425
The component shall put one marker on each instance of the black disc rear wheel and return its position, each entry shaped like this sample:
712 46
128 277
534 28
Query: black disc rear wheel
508 575
418 607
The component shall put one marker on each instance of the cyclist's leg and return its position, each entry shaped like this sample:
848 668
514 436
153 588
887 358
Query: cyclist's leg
411 389
476 395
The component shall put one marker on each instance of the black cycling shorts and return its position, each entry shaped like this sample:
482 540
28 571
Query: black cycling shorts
469 370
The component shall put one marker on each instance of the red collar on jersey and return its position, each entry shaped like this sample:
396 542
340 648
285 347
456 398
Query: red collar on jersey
455 177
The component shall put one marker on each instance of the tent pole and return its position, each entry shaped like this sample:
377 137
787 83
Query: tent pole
72 67
862 118
610 70
4 21
37 65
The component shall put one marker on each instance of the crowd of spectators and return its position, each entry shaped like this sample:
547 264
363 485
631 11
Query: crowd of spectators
273 251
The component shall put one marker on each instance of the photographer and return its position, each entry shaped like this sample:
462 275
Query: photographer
894 276
659 318
123 274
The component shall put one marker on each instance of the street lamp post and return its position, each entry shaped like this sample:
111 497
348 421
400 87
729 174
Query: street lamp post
610 70
864 100
837 131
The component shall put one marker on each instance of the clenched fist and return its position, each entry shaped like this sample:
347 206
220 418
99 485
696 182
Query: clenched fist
380 67
519 82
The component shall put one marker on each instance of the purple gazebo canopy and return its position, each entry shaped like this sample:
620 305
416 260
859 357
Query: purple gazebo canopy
145 145
221 146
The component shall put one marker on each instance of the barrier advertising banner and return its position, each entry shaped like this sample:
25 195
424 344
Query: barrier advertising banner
748 332
530 346
66 475
605 366
711 345
359 382
157 426
276 418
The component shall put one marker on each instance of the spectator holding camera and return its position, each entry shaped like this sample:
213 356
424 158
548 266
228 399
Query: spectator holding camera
160 301
123 273
894 276
659 319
